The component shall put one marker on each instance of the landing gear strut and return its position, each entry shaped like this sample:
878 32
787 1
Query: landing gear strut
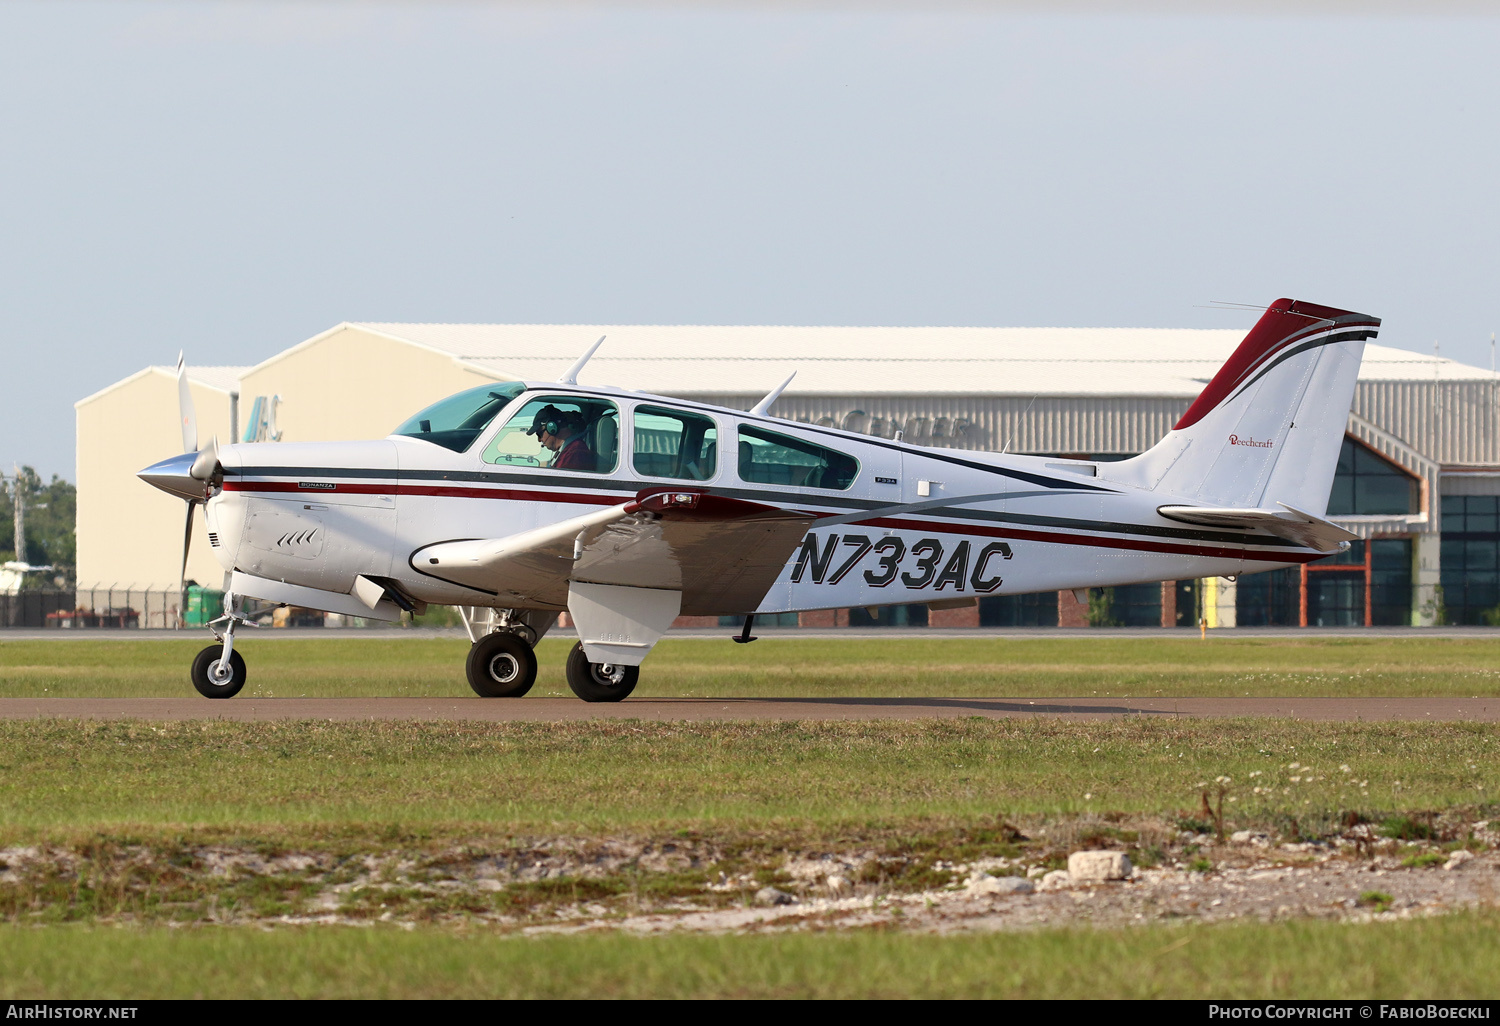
599 682
502 661
219 671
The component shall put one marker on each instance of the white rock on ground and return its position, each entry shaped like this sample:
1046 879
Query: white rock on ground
1098 866
983 883
1457 859
772 896
838 885
1056 880
1035 871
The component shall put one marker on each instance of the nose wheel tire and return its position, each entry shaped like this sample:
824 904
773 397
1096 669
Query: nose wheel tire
211 679
599 682
501 666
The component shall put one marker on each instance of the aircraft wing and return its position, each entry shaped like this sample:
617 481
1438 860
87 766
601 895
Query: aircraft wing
720 553
1287 522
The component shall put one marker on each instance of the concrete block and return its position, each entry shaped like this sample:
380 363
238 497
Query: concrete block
772 896
1098 866
983 883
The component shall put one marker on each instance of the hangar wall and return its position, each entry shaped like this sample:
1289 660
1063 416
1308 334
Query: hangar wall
129 533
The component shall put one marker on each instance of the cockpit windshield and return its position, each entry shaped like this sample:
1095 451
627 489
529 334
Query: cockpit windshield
456 421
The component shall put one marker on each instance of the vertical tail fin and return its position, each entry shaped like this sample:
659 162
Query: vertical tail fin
1268 427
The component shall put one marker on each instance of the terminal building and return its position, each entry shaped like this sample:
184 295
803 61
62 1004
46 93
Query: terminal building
1418 479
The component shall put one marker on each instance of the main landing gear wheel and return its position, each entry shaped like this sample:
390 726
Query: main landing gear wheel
599 682
210 677
501 666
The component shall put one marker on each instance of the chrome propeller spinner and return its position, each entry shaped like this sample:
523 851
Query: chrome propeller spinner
196 475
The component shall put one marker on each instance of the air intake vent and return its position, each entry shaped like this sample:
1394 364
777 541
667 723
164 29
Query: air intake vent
213 538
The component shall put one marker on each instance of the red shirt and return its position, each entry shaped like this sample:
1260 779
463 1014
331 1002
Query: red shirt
574 456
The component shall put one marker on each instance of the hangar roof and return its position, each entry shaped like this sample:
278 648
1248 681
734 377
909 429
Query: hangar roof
717 359
222 379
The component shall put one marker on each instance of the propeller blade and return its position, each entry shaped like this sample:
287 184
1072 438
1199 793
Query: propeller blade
185 408
207 464
187 542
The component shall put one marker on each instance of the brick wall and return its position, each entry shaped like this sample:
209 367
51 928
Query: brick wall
963 616
1071 612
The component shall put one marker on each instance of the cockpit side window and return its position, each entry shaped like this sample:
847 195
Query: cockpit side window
767 457
456 421
559 432
671 443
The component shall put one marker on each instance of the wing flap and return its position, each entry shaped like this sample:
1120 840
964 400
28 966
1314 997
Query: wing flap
722 554
1288 522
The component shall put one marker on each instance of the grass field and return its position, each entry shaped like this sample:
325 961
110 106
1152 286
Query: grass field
1166 664
812 781
1412 959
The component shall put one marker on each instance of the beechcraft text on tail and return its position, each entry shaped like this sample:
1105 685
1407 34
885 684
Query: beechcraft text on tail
517 500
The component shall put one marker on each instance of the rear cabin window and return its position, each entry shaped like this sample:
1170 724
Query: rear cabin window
770 458
671 443
559 432
456 421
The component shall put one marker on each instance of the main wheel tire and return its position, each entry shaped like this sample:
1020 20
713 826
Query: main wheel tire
501 666
206 668
598 682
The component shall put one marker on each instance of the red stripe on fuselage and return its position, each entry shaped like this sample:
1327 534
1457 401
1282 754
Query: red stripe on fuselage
933 527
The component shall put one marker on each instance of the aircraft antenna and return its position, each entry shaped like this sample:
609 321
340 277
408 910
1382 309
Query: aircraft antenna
571 378
763 408
1006 447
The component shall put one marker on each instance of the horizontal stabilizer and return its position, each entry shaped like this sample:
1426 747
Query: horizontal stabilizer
1287 522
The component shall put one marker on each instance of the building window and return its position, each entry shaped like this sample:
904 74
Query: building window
1471 559
1189 611
761 620
1271 599
1367 484
1390 582
1336 599
1131 605
1035 610
889 616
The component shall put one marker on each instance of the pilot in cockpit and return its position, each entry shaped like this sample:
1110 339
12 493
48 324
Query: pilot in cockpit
562 432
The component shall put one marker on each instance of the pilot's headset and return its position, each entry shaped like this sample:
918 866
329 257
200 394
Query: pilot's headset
549 419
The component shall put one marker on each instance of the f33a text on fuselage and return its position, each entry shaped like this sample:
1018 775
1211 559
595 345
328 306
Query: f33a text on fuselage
517 500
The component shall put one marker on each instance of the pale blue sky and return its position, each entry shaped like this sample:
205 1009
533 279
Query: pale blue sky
232 178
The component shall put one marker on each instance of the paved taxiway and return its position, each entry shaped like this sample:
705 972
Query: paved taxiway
1482 710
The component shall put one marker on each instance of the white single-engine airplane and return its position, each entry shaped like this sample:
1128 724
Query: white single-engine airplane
516 500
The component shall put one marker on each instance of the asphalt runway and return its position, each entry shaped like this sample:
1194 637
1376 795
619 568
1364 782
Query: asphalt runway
1347 710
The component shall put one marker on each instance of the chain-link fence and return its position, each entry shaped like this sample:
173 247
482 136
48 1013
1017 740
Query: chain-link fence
92 608
116 607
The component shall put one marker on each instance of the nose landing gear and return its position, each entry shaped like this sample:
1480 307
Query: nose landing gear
219 671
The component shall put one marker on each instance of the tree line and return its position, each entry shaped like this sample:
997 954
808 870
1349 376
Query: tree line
51 511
